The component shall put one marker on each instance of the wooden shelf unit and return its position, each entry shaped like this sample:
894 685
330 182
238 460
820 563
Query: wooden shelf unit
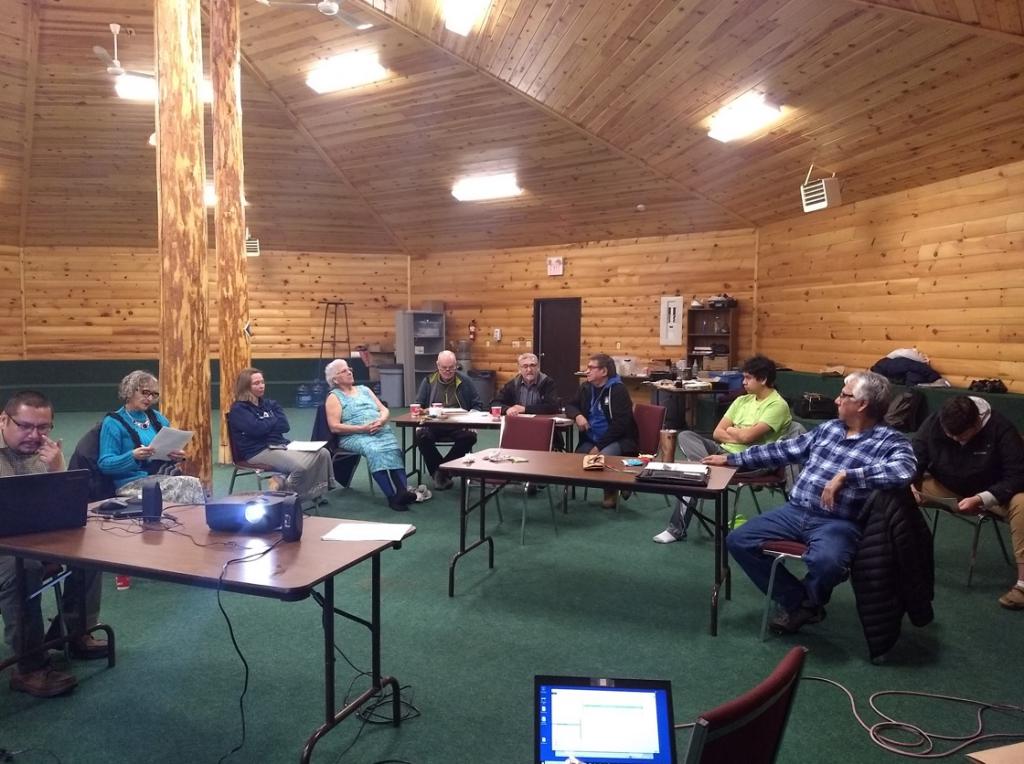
715 328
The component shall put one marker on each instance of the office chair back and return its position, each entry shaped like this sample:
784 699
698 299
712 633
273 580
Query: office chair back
527 433
750 727
650 420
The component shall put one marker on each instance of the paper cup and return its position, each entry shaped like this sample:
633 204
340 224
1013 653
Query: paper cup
495 412
416 410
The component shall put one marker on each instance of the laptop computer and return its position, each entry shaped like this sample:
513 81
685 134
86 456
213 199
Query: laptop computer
603 721
48 501
671 473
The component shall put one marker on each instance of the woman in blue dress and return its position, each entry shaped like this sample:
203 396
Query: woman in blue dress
359 419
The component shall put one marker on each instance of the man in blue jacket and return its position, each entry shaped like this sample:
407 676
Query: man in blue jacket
603 412
844 460
452 389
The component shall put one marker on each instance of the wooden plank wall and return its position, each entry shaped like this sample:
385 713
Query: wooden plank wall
87 303
940 267
10 303
621 284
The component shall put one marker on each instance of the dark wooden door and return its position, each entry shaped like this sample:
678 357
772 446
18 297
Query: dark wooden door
556 341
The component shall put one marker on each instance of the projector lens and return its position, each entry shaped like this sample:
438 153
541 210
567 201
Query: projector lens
255 512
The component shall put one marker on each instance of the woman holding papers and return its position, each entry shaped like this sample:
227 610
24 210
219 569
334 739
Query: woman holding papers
359 419
258 426
126 453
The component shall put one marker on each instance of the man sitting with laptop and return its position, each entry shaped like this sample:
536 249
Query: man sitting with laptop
26 448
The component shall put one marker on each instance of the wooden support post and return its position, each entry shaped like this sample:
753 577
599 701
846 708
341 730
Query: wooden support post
181 220
229 216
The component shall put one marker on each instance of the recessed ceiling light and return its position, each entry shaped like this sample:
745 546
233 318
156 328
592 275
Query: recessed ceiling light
478 187
348 70
460 16
744 116
134 87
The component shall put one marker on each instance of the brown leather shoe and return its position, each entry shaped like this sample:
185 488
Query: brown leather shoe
1013 599
43 683
89 648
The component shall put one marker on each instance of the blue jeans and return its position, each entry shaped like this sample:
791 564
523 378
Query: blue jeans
831 543
612 449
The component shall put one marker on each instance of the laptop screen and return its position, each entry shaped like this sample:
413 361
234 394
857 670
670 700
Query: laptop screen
603 721
45 501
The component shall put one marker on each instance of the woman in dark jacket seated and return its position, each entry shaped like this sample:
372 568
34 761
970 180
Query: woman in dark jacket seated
258 426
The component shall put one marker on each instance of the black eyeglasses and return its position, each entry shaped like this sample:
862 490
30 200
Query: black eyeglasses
149 393
25 427
594 366
847 395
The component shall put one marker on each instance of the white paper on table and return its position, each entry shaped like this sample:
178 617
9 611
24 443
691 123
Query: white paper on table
306 445
477 414
696 469
169 439
367 532
455 411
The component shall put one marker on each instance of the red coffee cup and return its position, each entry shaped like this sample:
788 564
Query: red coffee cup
416 409
495 412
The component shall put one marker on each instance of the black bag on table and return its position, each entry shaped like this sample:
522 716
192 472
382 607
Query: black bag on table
816 406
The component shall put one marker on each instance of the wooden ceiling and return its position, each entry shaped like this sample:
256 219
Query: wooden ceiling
598 105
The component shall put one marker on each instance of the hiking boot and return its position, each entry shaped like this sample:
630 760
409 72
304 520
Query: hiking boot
441 481
1013 599
786 622
89 648
46 682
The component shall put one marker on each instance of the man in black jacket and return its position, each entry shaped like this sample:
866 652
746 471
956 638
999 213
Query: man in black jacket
531 391
452 389
975 455
603 412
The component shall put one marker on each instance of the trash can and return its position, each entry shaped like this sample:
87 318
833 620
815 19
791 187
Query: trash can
392 385
483 380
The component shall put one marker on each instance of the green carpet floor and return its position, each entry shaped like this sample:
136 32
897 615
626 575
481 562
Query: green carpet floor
597 599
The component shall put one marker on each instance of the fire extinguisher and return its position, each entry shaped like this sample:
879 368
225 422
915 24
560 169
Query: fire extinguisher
472 330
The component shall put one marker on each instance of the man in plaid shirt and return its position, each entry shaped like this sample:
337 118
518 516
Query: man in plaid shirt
844 460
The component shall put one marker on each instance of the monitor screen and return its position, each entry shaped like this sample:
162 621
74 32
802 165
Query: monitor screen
603 721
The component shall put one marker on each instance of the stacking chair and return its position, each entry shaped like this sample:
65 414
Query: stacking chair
242 468
650 420
977 521
749 728
781 550
525 434
344 463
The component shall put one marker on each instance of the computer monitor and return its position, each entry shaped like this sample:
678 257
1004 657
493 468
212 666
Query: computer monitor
603 721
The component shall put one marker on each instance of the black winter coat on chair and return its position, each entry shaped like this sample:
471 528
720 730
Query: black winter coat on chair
894 570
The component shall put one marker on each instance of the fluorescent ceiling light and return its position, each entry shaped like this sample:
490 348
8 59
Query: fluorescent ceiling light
460 16
134 87
348 70
477 187
747 114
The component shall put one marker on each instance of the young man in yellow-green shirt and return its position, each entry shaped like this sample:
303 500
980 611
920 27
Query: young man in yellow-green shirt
760 416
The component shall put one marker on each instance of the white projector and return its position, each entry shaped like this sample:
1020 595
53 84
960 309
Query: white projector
820 194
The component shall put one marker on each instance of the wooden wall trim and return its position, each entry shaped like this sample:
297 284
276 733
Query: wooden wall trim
928 18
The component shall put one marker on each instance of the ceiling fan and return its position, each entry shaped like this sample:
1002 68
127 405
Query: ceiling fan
113 63
331 8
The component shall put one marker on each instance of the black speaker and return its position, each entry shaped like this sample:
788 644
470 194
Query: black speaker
152 502
291 520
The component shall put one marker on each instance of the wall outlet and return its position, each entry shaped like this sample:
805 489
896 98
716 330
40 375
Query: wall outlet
529 344
497 335
515 344
618 346
487 343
